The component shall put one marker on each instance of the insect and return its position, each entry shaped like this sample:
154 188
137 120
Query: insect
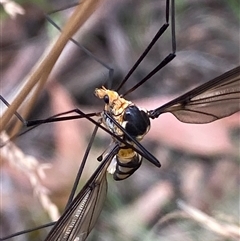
175 107
192 107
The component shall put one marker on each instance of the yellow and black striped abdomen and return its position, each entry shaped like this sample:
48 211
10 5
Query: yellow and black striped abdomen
127 162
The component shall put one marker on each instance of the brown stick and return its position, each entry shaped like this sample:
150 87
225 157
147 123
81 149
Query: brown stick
82 12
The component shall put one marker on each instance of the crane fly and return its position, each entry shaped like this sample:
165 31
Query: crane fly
200 105
128 124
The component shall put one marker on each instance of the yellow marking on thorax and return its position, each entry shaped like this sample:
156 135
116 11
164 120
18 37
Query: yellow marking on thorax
116 104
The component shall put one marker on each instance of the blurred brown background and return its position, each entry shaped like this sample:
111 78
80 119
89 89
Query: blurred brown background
200 163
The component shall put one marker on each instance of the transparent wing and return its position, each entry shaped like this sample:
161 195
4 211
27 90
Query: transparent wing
218 98
78 220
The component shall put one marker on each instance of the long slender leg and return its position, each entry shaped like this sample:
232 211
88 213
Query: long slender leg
55 118
111 70
80 171
166 60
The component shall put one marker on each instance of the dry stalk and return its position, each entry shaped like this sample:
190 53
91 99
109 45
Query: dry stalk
81 13
229 231
33 170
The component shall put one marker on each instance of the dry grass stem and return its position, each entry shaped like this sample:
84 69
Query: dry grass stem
230 231
82 12
33 170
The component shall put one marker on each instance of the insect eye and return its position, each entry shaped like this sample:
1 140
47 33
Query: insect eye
106 99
